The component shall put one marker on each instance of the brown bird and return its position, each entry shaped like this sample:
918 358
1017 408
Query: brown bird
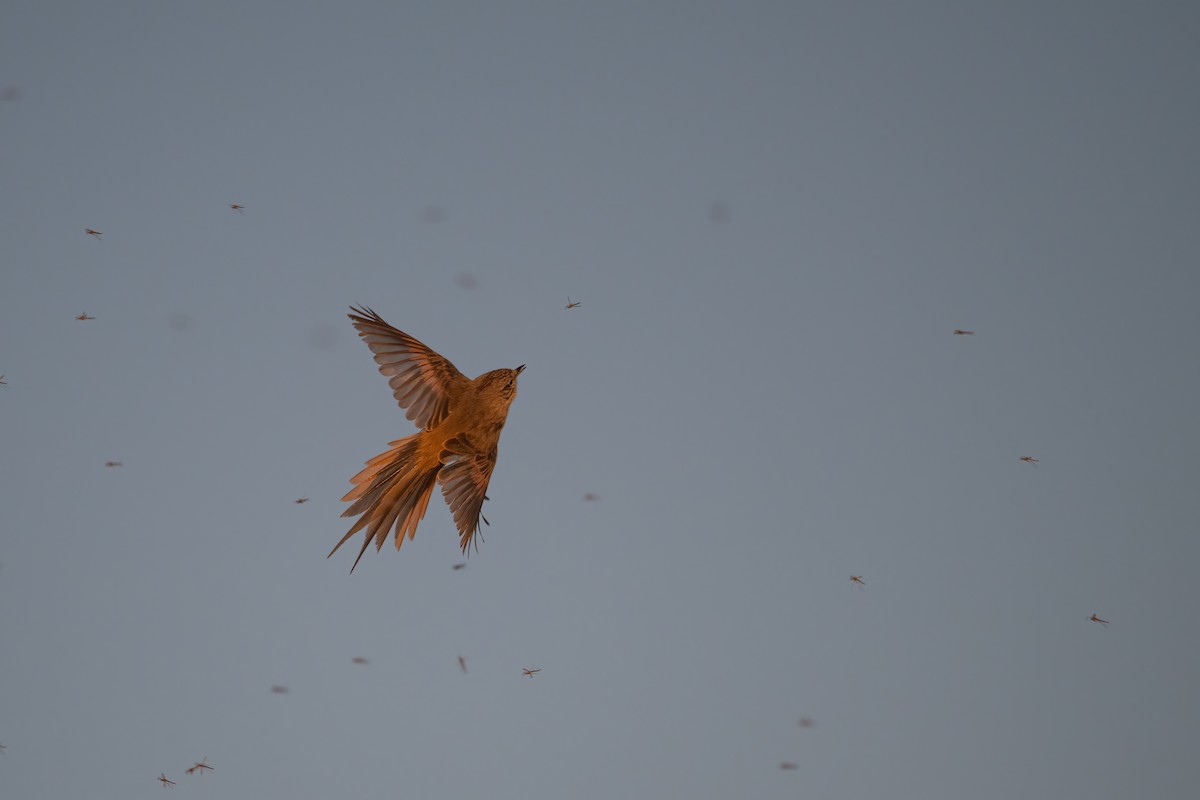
91 232
239 209
460 421
113 464
957 332
858 579
84 316
529 672
1029 459
164 780
572 305
301 500
1094 618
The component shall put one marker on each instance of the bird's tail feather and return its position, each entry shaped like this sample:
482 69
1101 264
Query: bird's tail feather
393 489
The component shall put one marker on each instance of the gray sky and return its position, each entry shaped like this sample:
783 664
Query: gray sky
774 215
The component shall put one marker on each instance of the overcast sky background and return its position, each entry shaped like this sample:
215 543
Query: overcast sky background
774 215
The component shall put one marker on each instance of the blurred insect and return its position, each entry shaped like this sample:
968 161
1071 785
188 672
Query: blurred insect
787 765
301 500
164 780
459 566
95 233
591 498
239 209
958 332
571 305
358 660
84 316
279 689
462 663
529 672
1094 618
1029 459
805 722
113 464
199 766
858 579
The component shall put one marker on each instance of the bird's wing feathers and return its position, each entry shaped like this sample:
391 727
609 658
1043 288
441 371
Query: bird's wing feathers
464 480
422 381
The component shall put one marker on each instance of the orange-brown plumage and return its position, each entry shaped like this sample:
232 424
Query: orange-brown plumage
461 420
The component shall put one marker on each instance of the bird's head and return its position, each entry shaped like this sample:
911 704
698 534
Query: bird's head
501 384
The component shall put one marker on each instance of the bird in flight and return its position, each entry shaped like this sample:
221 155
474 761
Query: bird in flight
113 464
358 660
164 780
84 316
279 689
529 672
806 722
1094 618
301 500
787 765
3 382
95 233
1029 459
460 421
958 332
199 766
238 208
459 566
462 663
857 579
571 305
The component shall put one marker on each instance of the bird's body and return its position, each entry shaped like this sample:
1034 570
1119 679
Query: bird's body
461 420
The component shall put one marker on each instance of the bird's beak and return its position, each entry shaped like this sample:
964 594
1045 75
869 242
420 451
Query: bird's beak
520 368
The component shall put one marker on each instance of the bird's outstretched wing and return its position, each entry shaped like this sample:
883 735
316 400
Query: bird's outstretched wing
464 479
422 381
